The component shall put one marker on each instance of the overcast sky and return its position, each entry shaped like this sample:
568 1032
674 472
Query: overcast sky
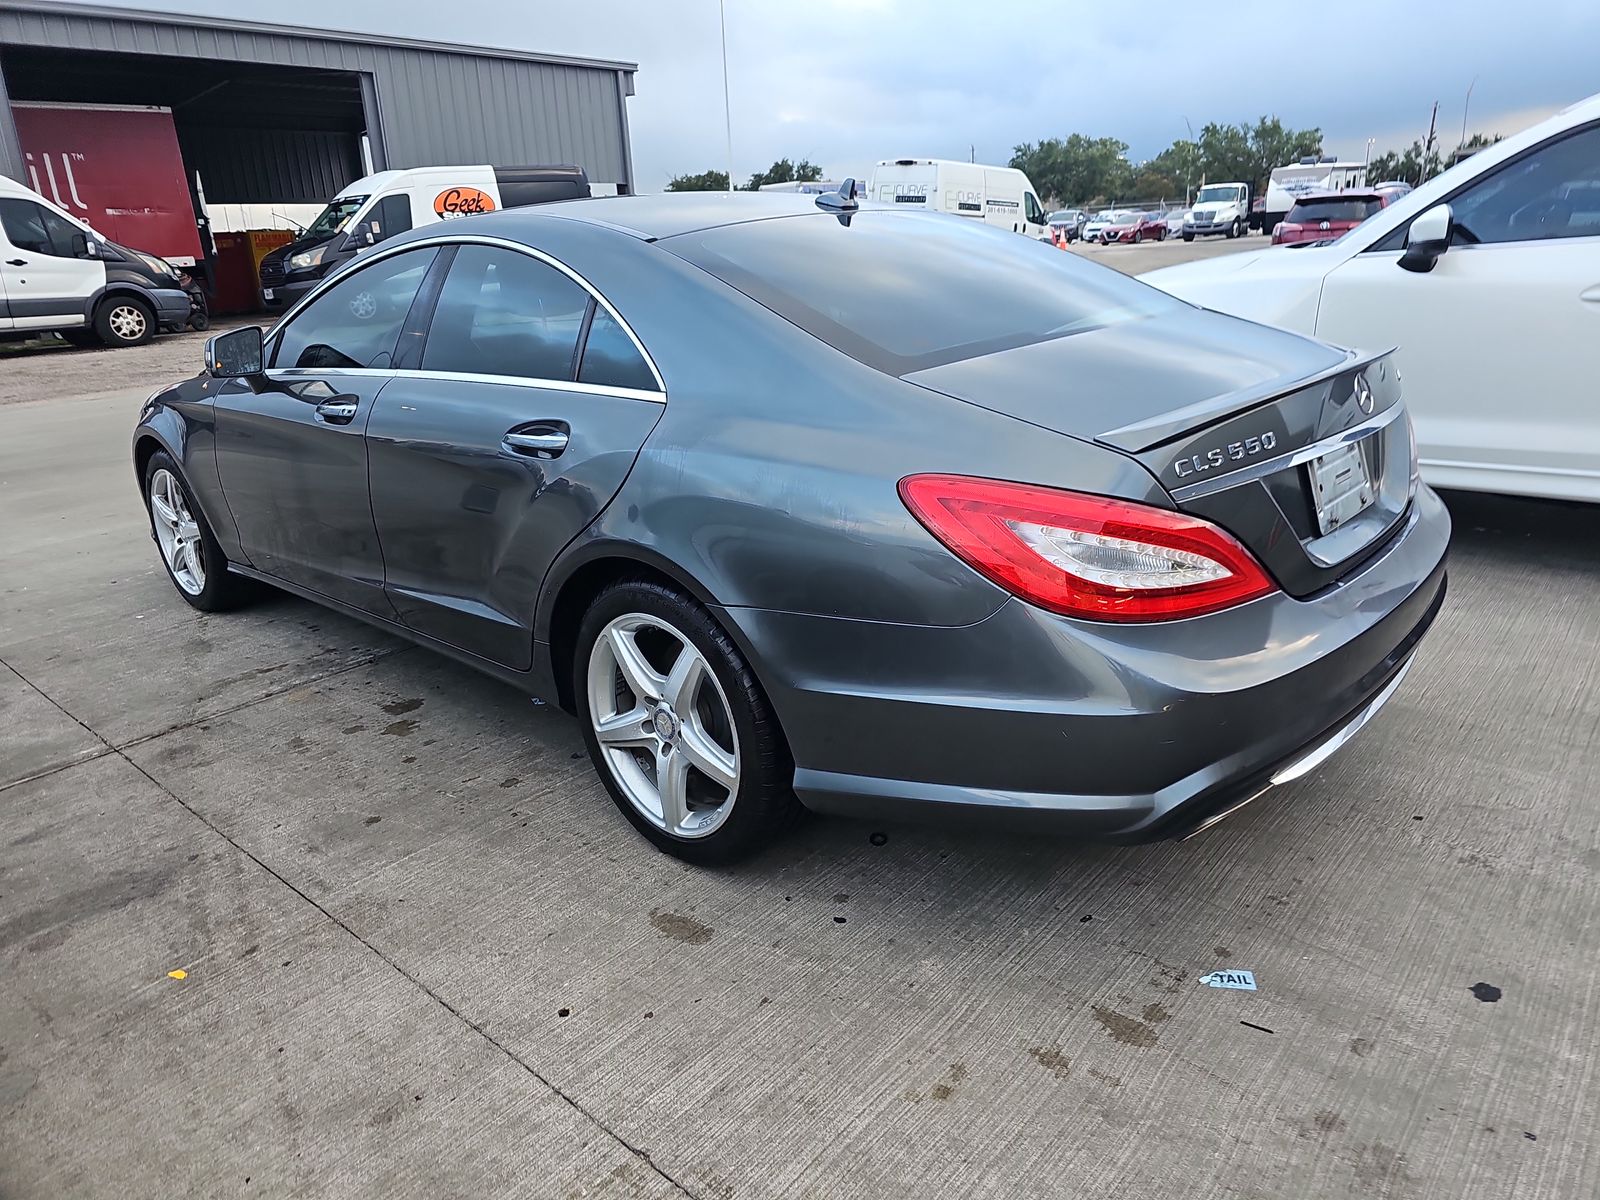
847 82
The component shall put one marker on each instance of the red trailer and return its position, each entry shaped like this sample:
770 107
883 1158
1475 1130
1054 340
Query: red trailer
116 166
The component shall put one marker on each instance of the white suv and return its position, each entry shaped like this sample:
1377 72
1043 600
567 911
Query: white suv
1488 279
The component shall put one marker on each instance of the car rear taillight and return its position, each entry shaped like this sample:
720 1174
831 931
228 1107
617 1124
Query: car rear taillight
1086 556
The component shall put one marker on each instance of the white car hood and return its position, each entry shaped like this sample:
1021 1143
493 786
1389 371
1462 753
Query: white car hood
1279 286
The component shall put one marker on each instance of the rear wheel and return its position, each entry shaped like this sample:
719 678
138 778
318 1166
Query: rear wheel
124 321
678 728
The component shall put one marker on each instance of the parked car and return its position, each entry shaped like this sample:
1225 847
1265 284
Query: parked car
1000 196
1094 229
1393 188
57 275
1069 223
1047 577
1174 221
1322 218
1488 278
1136 227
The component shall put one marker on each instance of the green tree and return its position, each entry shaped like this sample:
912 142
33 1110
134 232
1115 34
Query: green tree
1248 154
784 171
1412 165
1077 168
706 181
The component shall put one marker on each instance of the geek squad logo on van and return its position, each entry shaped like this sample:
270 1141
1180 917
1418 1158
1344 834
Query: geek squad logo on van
462 202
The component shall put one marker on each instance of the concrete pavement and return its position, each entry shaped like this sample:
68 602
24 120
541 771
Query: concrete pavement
424 956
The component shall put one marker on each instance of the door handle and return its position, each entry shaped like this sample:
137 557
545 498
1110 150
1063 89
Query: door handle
544 441
1592 295
16 262
337 411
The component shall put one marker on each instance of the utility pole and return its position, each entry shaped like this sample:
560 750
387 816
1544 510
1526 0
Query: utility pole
1462 145
1427 147
727 108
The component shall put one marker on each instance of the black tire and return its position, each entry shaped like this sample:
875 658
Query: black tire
1188 237
764 805
83 339
200 321
223 590
1138 236
124 321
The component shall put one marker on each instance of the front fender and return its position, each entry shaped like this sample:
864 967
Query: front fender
181 420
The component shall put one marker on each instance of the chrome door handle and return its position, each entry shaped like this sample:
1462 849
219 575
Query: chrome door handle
553 442
337 412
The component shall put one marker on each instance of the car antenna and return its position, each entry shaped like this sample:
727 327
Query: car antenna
843 200
842 203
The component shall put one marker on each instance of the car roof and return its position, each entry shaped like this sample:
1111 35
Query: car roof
652 218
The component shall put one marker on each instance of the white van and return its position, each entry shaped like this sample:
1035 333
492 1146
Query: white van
1000 196
381 205
58 275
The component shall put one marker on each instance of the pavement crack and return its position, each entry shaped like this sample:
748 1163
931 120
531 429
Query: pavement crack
119 751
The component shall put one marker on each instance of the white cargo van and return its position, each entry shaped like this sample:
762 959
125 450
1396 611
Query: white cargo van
1000 196
381 205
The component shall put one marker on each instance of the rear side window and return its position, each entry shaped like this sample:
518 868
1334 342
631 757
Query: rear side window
611 359
34 228
903 292
1337 208
504 313
356 322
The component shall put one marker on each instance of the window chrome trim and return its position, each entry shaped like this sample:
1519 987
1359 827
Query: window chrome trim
526 381
439 242
1294 458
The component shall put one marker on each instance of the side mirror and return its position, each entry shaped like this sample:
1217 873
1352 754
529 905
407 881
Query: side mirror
82 247
1428 238
234 354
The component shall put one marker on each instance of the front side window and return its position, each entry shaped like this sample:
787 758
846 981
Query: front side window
1553 192
357 321
504 313
34 228
610 357
1035 210
391 215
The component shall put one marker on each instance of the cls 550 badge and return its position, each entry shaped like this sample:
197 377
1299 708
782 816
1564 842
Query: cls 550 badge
1220 456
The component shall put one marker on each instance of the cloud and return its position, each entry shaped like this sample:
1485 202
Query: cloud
847 82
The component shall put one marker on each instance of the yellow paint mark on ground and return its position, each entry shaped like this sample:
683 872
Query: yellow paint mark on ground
180 973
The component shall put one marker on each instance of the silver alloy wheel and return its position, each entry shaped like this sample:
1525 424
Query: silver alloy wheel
177 533
665 728
127 322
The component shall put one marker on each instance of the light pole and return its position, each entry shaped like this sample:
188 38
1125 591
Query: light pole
1189 173
727 109
1464 108
1369 151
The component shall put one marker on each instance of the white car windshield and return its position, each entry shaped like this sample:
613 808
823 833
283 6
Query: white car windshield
1216 195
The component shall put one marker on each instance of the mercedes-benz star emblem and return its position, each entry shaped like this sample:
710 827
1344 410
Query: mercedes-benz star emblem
1364 394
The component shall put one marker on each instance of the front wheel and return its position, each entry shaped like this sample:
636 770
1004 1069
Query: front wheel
1233 230
678 727
124 321
1138 236
194 561
1188 237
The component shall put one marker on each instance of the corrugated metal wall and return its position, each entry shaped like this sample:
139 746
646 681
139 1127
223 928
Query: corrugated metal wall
437 104
271 166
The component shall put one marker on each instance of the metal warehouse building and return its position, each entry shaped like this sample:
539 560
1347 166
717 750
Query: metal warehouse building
268 114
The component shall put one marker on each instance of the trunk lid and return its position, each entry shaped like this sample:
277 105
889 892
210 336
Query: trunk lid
1300 450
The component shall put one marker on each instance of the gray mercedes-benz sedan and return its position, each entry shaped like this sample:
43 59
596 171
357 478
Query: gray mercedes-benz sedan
801 505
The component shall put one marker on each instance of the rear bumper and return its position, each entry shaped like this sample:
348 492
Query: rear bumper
1027 720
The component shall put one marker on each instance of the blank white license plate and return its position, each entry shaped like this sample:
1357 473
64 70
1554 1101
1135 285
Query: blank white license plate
1340 486
266 293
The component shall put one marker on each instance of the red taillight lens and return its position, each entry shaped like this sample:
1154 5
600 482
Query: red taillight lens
1086 556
